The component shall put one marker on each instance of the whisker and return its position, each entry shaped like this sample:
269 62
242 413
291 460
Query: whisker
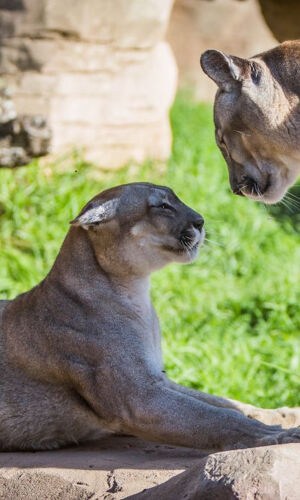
295 199
292 195
209 232
259 194
214 242
213 220
296 208
285 203
293 202
187 241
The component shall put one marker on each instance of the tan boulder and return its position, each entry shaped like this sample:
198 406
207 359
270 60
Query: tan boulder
268 473
113 468
119 467
121 23
116 115
283 18
233 26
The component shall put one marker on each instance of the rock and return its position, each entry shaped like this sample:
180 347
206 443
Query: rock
112 468
236 27
99 71
55 55
282 18
7 108
34 135
119 467
21 137
121 23
268 473
116 115
13 157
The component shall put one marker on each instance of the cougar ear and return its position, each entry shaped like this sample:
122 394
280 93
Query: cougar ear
96 212
225 70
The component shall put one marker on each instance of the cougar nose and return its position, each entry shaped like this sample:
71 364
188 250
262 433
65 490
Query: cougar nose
198 223
254 186
236 186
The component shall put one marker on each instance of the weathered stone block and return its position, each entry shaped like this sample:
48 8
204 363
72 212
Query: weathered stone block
55 55
21 137
123 109
121 23
229 25
93 68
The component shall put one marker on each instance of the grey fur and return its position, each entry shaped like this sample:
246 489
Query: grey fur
80 353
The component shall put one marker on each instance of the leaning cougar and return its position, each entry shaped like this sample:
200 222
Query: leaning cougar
80 353
257 118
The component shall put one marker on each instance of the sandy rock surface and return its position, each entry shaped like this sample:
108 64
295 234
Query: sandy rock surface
119 467
113 468
267 473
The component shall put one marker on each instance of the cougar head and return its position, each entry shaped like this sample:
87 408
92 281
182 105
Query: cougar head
138 228
257 119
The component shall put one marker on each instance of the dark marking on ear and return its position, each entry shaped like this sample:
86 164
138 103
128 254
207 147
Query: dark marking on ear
255 72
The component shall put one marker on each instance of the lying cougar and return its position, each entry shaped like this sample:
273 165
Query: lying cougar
257 119
80 353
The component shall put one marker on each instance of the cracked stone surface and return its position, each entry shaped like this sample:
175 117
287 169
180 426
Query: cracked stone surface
267 473
119 467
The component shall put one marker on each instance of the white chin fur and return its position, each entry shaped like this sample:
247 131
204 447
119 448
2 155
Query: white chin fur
269 198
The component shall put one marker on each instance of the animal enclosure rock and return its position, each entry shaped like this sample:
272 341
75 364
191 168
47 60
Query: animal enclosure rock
98 70
123 467
198 25
282 18
21 137
113 468
268 473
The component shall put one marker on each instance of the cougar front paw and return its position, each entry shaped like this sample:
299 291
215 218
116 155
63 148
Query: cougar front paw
285 436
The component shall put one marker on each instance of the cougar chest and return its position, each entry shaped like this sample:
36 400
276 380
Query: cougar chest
143 316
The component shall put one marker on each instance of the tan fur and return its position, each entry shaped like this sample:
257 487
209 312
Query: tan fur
80 353
257 118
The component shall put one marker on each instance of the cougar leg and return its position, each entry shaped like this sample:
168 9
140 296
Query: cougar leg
286 417
152 410
170 416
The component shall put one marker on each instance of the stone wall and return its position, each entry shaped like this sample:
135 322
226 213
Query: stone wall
236 27
283 18
98 70
21 137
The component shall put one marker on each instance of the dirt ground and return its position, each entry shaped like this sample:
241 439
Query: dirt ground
113 468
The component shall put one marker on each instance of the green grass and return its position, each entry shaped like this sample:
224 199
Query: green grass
231 320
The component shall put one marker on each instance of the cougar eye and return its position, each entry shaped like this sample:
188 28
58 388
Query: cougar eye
163 206
223 145
166 206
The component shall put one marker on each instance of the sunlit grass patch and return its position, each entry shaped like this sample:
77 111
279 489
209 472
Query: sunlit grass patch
231 320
